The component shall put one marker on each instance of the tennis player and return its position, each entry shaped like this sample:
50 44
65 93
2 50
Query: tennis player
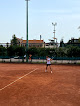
48 60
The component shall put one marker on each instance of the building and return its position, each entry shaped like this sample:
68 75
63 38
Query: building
5 44
34 43
19 41
51 44
74 42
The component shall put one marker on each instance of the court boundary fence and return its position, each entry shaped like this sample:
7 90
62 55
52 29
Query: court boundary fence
40 59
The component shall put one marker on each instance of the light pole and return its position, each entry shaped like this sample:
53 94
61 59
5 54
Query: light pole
54 24
26 29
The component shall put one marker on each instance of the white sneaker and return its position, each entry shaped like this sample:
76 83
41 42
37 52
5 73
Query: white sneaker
51 71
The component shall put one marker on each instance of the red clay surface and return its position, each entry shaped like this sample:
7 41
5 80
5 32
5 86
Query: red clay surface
61 88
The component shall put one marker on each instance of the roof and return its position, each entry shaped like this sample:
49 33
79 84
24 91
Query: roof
34 41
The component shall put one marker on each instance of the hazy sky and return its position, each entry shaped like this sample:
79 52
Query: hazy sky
41 15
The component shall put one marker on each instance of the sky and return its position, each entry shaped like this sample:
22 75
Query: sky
66 13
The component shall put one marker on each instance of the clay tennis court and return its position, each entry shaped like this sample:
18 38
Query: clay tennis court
29 85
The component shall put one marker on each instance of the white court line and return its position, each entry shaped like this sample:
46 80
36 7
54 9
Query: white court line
18 79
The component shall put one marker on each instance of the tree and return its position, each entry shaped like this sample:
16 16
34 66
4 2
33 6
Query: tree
73 51
61 43
79 40
19 51
41 52
3 51
33 51
16 51
61 52
11 51
14 40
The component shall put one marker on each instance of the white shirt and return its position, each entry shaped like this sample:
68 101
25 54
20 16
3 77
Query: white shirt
48 61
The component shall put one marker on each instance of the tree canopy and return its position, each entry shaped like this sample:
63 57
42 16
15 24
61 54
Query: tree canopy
14 40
